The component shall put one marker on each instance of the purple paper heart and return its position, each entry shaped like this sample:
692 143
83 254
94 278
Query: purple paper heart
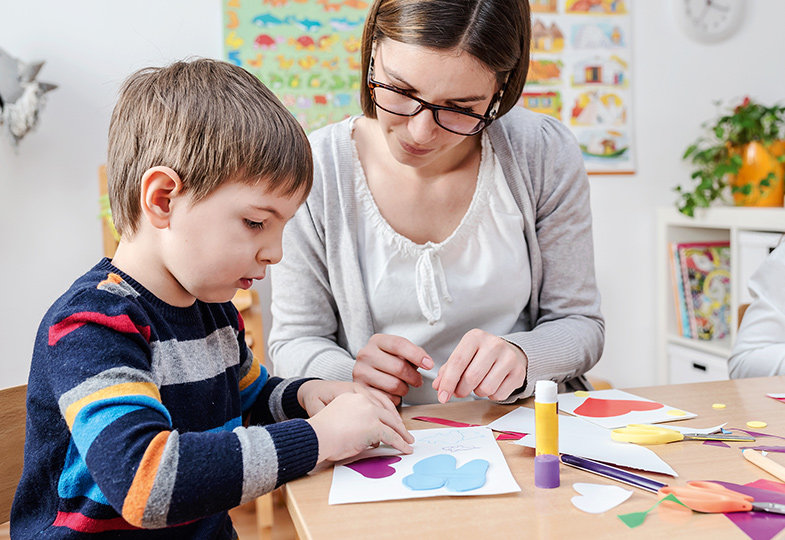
375 467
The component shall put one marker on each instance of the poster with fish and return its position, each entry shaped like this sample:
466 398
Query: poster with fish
306 51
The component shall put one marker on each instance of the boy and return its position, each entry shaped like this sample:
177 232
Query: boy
141 379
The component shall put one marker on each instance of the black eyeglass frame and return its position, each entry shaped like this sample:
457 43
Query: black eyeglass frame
485 119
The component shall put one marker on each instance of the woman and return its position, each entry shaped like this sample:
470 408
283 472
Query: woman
446 248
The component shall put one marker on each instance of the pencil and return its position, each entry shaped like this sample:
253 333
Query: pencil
768 465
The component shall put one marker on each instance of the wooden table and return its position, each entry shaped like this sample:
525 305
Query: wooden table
542 513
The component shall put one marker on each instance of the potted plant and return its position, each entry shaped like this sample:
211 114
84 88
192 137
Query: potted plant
742 149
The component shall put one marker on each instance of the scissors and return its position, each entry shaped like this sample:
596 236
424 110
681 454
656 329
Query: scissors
714 498
645 434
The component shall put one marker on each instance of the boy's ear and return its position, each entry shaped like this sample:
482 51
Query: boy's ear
160 185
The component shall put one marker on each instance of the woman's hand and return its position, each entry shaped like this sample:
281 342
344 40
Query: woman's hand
484 364
389 364
352 422
316 395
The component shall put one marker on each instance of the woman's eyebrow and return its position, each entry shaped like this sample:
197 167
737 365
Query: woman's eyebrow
401 80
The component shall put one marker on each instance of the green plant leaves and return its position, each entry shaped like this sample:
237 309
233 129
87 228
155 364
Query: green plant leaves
713 160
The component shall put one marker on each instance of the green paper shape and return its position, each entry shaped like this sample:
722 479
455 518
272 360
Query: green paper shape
635 519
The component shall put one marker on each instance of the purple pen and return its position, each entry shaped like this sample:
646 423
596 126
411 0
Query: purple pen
613 473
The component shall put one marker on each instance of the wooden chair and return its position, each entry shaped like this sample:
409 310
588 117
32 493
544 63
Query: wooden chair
246 302
742 310
12 442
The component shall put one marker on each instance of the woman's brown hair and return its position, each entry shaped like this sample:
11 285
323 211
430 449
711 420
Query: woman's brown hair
496 32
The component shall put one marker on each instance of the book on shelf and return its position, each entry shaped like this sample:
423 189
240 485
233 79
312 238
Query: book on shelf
705 277
677 284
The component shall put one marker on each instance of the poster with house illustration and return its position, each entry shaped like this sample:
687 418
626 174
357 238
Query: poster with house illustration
580 73
308 53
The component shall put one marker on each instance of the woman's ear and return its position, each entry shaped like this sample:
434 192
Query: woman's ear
160 185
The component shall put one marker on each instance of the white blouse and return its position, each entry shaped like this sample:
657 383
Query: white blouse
433 293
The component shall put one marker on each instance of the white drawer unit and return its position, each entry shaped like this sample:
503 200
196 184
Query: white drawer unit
688 365
751 233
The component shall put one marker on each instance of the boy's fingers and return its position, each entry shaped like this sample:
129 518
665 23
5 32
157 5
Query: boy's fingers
384 399
391 437
394 421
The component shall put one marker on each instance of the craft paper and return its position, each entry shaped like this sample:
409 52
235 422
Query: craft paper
598 498
584 439
375 467
635 519
464 445
778 397
616 408
443 470
757 525
503 436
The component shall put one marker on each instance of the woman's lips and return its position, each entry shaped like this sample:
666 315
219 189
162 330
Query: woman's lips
413 149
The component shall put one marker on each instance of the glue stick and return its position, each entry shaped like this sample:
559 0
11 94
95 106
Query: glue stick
546 426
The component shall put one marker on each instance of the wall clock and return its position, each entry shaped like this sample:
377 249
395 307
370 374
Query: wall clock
708 21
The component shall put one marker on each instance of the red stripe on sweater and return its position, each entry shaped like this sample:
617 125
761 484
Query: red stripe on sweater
121 323
81 523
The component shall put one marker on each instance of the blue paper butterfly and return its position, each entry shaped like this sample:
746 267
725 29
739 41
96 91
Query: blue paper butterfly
440 470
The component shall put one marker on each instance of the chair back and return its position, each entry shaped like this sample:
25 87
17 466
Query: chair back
12 443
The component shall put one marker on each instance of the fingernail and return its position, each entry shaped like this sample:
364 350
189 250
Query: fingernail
444 396
427 362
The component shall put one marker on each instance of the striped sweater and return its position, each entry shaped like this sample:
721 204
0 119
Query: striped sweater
135 414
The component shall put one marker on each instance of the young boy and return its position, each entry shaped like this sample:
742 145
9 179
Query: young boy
141 383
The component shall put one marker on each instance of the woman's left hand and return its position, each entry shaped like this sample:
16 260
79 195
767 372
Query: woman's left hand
484 364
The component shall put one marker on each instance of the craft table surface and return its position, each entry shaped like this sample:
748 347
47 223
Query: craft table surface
548 513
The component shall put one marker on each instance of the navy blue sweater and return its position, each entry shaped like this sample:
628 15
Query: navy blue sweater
135 415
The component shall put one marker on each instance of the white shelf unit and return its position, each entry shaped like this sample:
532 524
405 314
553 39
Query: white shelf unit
701 360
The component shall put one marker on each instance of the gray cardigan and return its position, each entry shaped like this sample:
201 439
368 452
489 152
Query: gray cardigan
320 310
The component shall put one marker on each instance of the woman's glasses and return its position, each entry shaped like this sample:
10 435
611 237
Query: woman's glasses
399 102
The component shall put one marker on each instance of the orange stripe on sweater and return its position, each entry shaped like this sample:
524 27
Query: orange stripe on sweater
136 499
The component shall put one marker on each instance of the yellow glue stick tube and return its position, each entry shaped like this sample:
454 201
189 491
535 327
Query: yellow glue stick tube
546 418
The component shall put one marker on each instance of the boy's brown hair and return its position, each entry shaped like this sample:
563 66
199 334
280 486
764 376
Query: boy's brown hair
209 121
496 32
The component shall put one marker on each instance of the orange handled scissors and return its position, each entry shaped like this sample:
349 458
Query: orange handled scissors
714 498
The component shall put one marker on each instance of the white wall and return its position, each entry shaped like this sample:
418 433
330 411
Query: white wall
48 202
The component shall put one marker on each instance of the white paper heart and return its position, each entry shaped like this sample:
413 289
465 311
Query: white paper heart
598 498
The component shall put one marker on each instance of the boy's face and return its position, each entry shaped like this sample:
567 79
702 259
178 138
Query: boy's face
225 241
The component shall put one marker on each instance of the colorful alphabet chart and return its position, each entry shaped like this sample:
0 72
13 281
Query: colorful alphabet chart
445 461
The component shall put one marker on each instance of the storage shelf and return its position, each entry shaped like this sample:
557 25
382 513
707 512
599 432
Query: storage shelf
720 347
709 225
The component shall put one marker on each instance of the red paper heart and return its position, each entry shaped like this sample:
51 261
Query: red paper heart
375 467
605 408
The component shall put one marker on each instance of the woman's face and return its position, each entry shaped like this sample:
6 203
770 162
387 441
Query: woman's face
442 77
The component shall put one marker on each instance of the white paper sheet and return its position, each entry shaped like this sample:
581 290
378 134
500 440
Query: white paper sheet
581 438
465 444
621 400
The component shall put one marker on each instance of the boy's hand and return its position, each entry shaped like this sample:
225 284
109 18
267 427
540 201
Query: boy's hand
484 364
352 422
389 363
316 395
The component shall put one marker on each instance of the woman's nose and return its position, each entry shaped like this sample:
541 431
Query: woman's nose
422 126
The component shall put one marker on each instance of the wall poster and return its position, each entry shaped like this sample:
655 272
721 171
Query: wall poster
307 52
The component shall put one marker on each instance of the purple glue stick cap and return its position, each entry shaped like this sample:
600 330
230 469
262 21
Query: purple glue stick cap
546 471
